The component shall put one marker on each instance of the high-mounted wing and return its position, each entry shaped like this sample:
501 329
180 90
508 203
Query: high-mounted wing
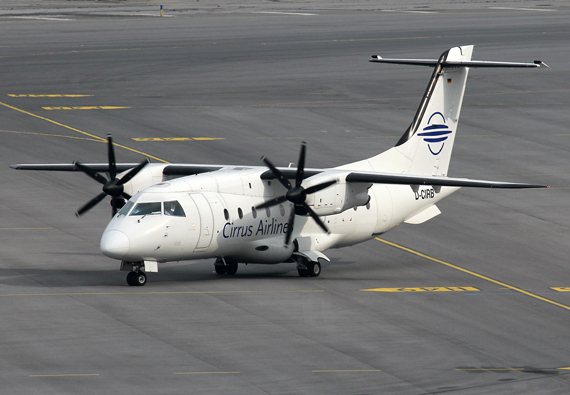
404 179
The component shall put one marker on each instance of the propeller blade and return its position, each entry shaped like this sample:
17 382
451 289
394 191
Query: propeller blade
90 204
301 165
91 173
126 195
318 187
272 202
284 181
111 155
133 172
316 218
290 226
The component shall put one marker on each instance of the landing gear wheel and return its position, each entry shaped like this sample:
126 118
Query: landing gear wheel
136 278
220 269
309 269
231 268
314 269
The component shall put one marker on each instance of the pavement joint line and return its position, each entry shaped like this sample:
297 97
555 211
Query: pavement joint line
161 293
202 373
88 134
347 371
474 274
64 375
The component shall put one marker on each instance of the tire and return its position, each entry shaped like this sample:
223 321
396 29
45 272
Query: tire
131 279
220 269
315 269
231 268
303 272
140 279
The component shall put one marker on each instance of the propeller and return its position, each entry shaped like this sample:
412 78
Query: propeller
296 194
113 186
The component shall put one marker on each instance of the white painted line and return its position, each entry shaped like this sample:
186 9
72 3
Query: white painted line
40 18
411 11
284 13
523 9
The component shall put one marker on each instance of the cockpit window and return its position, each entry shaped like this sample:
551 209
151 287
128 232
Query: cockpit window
174 209
153 208
126 208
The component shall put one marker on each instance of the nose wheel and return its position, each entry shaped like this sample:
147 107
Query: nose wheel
137 278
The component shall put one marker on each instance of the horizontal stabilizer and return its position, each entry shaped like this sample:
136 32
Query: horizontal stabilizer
403 179
470 63
424 215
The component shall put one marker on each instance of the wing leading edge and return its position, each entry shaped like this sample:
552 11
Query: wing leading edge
404 179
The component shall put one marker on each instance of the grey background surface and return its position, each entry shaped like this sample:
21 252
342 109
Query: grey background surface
264 83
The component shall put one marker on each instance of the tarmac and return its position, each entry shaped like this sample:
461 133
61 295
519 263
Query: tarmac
474 301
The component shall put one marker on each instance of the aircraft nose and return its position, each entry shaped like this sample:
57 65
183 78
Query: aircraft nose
114 244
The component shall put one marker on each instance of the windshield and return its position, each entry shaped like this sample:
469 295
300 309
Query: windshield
126 208
152 208
173 208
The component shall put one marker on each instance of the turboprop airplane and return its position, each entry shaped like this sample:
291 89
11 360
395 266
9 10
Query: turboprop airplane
269 215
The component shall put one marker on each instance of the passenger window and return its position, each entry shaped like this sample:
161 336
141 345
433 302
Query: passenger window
153 208
282 210
254 212
226 215
126 208
173 208
240 213
267 212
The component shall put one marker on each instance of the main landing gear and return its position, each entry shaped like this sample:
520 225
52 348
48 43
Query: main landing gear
307 268
136 278
225 266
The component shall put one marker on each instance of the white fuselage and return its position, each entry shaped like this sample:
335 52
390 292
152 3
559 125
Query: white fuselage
220 219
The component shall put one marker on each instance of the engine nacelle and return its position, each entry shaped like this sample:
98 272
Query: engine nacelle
150 175
339 197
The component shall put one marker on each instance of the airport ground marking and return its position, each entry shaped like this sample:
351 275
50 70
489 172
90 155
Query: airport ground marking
174 139
48 95
83 108
26 228
202 373
49 135
88 134
474 274
523 9
347 371
39 18
64 375
422 289
561 289
162 293
285 13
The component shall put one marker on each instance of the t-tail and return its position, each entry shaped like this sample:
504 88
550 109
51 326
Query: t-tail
425 147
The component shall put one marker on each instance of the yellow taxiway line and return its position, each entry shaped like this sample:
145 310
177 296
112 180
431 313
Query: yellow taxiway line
347 371
76 130
474 274
82 108
48 95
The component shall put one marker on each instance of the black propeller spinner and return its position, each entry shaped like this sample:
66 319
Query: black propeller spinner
297 194
113 186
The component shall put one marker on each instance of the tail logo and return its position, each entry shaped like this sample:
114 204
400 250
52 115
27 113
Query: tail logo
435 133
